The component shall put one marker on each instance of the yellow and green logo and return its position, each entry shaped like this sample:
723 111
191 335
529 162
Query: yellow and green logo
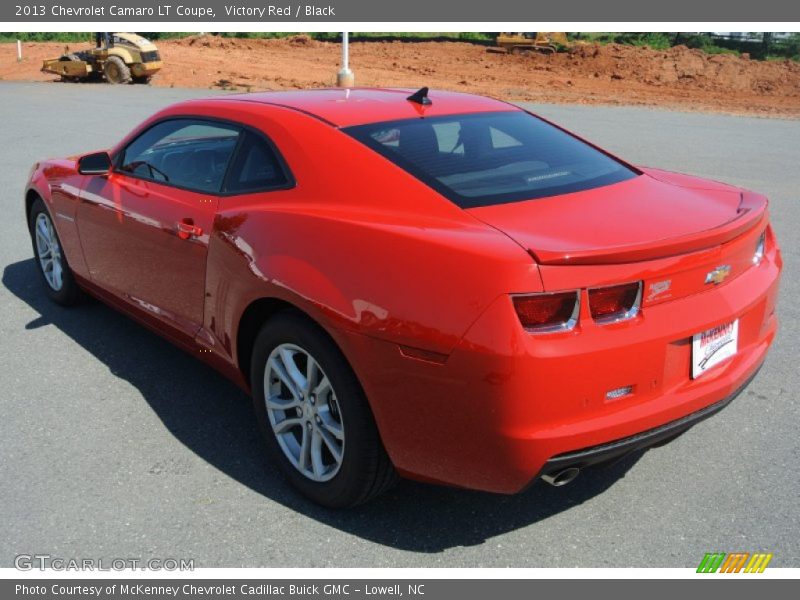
735 562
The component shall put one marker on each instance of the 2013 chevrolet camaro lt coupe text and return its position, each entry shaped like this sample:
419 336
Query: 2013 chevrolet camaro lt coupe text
432 285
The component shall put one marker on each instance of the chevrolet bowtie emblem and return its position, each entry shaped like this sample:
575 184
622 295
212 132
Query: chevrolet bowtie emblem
718 275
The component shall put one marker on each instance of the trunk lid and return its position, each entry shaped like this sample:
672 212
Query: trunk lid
655 215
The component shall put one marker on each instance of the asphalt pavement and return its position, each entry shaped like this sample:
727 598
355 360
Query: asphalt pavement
115 444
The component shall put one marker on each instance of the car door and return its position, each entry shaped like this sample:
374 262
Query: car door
145 226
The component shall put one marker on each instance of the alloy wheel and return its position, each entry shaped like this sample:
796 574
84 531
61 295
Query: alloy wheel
48 252
304 412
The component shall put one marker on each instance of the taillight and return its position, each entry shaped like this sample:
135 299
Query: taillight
758 255
615 302
547 313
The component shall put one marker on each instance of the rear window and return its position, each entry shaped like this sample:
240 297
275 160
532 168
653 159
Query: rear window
492 158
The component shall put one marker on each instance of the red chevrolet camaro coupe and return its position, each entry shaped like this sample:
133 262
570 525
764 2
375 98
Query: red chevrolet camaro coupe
439 286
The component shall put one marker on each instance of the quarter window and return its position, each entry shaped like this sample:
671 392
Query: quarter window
256 167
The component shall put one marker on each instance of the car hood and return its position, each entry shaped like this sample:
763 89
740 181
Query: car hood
653 215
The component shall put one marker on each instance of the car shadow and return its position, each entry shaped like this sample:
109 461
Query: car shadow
213 418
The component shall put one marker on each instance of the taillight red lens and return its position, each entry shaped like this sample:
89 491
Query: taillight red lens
614 302
547 312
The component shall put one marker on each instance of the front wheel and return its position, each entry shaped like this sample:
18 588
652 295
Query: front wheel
59 283
314 415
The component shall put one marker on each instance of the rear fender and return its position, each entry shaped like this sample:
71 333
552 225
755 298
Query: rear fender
412 286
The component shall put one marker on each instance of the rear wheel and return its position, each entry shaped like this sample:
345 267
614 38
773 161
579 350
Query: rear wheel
116 71
314 415
59 282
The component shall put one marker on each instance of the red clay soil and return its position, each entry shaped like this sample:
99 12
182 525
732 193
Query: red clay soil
678 78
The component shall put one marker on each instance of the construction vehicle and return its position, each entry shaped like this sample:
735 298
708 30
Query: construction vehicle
123 58
537 41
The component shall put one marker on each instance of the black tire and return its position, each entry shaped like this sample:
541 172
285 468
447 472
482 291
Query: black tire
69 294
143 79
116 71
365 469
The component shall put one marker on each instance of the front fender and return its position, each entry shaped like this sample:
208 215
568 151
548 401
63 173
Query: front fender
58 183
37 185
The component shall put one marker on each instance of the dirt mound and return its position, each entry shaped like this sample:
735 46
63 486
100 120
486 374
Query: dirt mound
588 74
684 67
205 41
300 40
222 43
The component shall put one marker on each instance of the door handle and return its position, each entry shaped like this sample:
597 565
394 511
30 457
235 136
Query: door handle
187 229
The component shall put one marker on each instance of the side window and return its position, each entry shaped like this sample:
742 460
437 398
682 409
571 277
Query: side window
188 153
256 167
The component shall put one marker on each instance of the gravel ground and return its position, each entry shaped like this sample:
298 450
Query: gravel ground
114 444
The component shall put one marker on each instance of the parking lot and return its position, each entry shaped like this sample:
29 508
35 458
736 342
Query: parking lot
115 444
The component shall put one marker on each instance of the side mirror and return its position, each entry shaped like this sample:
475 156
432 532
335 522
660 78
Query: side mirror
98 163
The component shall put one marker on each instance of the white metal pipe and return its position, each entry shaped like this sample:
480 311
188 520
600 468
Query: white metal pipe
19 50
345 78
345 51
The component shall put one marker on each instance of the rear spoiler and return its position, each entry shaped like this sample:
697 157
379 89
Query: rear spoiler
752 213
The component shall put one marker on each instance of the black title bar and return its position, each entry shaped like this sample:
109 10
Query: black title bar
444 11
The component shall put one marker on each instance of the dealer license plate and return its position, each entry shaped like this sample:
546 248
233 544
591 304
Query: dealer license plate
711 347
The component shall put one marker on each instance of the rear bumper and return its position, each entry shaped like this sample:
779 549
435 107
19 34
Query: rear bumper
506 405
610 451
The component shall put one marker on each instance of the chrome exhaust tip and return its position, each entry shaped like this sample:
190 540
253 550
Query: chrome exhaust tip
560 478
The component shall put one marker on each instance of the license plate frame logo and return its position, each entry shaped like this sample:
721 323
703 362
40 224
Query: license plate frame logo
714 346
